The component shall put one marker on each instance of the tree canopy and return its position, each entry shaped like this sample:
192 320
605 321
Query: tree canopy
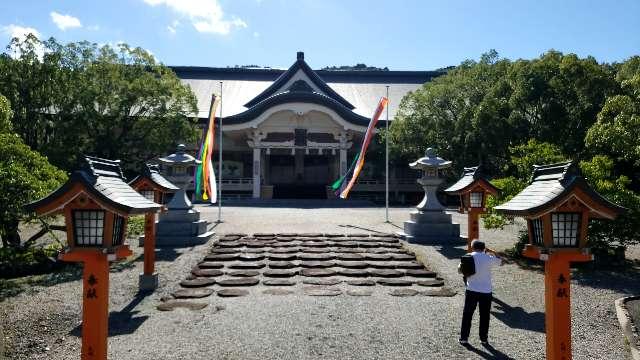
77 98
509 115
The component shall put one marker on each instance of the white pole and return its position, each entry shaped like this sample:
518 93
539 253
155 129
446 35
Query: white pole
220 159
386 187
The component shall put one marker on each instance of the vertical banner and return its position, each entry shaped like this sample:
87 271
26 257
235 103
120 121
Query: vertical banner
205 178
358 163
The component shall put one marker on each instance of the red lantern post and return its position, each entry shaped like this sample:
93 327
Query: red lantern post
154 187
558 204
95 202
473 189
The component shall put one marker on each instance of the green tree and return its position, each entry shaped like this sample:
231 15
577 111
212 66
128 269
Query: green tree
463 114
616 131
80 98
559 96
5 115
625 229
520 167
524 156
25 176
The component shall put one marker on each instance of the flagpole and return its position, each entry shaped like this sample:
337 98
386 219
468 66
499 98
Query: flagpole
220 159
386 187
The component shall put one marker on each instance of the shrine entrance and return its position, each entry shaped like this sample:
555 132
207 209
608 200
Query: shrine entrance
300 176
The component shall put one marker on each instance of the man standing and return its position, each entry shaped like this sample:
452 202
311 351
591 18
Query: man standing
478 291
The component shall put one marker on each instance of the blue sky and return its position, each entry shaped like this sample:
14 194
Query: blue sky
403 35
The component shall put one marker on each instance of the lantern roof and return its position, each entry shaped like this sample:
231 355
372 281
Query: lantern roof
180 157
550 186
471 176
430 161
151 172
102 180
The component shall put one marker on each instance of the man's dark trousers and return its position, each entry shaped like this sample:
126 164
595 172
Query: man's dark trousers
471 300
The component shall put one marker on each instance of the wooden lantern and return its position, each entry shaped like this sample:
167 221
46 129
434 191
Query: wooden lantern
153 187
96 202
473 188
558 204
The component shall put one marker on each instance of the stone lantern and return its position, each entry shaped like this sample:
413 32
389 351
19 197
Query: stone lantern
179 168
154 187
473 188
430 223
181 225
558 204
95 202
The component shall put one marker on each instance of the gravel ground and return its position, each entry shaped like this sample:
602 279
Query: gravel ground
42 321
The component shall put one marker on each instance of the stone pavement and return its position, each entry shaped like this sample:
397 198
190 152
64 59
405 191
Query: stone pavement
326 264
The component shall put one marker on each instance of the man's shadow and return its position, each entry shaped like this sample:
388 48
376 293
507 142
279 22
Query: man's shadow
489 352
517 317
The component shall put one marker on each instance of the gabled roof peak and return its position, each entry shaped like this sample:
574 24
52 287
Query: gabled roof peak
299 65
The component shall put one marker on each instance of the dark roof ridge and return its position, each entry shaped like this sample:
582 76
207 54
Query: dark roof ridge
300 64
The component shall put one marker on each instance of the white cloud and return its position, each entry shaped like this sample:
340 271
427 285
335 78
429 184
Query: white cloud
64 22
20 32
256 34
171 29
93 27
205 15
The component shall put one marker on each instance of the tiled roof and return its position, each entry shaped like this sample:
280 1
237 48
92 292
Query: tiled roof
359 89
469 175
549 185
103 179
151 172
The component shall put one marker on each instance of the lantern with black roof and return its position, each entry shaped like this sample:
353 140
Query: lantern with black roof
473 188
95 202
558 204
154 187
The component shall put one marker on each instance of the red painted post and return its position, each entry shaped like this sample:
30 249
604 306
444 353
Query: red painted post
149 243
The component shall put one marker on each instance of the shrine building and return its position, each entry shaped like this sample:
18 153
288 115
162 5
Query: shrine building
291 133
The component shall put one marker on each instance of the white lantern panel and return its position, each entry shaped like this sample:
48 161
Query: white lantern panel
87 226
476 199
565 228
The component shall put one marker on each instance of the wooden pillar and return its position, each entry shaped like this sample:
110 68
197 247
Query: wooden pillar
95 302
256 172
558 308
149 243
473 226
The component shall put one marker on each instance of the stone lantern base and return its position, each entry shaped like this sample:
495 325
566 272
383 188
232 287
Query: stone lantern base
430 227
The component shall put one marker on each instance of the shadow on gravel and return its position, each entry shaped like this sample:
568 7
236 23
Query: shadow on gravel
625 281
451 251
517 317
12 287
488 352
121 322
